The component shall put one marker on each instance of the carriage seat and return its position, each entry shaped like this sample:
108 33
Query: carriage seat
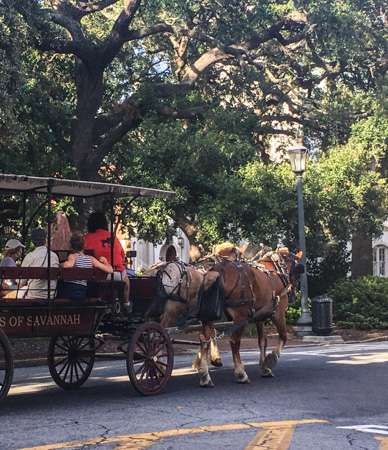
96 278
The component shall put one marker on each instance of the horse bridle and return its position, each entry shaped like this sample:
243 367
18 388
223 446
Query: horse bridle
175 296
280 269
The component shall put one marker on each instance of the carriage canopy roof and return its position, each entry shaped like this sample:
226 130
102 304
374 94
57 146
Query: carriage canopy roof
75 188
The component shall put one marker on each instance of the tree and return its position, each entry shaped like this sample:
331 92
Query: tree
156 52
128 83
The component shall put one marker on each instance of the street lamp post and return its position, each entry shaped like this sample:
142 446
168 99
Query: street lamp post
297 155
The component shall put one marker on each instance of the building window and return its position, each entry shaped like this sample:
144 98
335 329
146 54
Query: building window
379 261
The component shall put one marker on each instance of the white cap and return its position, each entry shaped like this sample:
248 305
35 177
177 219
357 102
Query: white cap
14 243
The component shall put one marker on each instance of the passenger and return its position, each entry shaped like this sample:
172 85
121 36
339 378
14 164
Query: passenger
39 258
13 251
76 289
98 238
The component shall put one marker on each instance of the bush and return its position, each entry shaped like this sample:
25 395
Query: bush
360 303
293 311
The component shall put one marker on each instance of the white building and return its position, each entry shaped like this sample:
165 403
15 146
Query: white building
148 254
380 254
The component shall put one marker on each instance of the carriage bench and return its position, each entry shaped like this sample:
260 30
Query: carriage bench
37 316
96 279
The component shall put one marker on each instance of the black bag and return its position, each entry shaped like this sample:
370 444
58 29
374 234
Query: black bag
211 302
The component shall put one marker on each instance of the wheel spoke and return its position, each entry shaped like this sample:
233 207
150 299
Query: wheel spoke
142 348
160 347
79 366
64 363
141 368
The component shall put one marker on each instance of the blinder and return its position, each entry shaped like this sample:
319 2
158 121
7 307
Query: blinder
299 268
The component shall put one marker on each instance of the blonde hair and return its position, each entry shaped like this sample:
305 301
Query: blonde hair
11 251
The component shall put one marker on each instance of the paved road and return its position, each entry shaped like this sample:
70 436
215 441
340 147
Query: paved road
323 397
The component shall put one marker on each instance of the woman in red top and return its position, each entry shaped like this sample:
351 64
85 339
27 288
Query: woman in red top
99 239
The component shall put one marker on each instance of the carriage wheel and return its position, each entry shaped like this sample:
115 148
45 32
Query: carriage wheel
150 358
6 365
70 360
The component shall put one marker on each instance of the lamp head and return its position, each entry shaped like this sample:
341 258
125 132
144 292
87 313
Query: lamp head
297 155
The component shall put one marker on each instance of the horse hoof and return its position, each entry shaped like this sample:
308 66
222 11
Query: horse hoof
243 379
271 360
268 374
209 384
216 362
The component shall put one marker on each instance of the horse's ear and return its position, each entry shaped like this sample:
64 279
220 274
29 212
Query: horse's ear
242 248
299 254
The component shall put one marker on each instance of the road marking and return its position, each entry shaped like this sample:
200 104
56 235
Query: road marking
376 429
363 359
144 440
384 441
271 438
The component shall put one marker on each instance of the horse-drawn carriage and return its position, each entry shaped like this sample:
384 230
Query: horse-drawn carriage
78 328
248 291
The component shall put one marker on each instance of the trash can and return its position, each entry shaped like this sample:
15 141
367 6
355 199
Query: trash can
321 315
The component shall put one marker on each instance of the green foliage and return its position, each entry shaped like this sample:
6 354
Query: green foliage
217 161
343 193
360 303
293 312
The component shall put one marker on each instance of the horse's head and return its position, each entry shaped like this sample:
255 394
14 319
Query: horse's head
284 262
228 250
178 287
294 267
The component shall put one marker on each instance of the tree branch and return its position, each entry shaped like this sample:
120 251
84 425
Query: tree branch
68 22
61 141
88 8
106 121
110 140
184 113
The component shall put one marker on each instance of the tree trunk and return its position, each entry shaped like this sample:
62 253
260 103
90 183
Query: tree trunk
361 255
89 83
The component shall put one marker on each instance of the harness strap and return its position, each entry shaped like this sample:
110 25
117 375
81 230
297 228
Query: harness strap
242 301
250 318
183 326
176 296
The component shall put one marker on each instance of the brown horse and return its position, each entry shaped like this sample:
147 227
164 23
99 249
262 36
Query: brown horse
221 252
178 289
253 293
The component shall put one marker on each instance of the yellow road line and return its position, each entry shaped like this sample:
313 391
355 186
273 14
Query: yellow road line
275 435
144 440
272 438
384 440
